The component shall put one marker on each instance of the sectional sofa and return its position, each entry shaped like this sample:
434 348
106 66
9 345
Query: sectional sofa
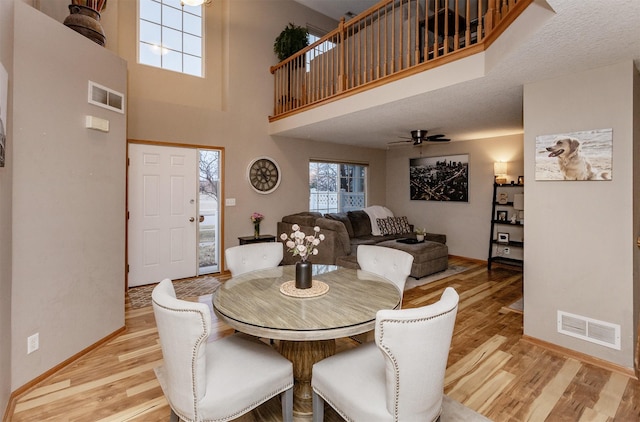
345 231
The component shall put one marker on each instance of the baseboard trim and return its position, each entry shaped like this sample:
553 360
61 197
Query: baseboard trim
477 261
583 357
26 387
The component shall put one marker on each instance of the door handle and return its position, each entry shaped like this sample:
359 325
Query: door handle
192 219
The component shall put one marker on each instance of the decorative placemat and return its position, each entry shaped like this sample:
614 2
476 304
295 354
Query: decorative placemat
318 288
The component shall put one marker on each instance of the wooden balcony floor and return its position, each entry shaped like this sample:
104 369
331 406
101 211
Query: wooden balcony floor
491 370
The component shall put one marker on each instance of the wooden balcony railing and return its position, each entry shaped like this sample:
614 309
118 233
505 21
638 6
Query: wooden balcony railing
389 41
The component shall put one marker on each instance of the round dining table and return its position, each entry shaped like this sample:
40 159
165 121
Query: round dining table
306 322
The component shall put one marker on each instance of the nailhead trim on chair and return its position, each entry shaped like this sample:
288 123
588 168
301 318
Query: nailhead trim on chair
251 406
199 342
393 359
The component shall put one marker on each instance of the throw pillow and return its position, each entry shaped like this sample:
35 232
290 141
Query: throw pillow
383 226
393 225
360 222
342 217
402 223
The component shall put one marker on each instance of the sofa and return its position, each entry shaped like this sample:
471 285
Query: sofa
345 231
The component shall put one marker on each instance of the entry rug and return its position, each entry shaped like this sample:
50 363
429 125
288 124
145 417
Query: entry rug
185 289
452 270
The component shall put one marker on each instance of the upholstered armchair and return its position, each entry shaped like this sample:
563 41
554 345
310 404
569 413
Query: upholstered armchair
253 256
400 377
216 381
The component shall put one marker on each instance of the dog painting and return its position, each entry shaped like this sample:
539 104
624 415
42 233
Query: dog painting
582 155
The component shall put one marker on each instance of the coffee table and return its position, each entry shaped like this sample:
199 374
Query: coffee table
306 327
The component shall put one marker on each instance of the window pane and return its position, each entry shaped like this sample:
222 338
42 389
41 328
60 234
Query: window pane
150 32
172 61
172 39
336 187
193 24
150 10
193 10
192 65
172 17
174 3
148 56
169 31
192 45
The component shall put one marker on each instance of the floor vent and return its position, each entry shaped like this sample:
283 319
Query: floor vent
599 332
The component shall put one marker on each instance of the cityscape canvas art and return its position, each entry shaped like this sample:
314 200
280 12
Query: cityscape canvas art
444 178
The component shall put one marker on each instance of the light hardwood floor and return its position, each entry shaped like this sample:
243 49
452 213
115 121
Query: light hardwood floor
491 369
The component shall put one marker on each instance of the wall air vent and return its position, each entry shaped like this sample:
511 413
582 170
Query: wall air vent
599 332
105 97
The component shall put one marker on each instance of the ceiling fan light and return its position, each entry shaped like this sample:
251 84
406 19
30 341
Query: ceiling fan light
192 2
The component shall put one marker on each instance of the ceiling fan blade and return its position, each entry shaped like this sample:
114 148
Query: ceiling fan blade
430 137
438 140
399 142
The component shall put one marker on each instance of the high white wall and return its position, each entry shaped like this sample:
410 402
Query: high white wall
229 108
466 224
580 254
68 196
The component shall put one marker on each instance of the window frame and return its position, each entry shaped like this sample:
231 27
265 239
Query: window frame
340 193
187 50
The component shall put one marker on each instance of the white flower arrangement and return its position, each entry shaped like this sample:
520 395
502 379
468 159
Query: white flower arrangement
301 244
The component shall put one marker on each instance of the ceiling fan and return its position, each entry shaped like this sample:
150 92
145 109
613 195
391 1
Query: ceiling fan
419 136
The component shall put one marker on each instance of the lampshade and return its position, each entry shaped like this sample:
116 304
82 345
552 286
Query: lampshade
499 168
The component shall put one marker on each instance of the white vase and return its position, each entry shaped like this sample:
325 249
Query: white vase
420 237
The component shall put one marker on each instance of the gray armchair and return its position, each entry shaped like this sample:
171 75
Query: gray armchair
400 377
216 381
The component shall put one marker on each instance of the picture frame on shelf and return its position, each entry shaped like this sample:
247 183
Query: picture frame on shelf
503 237
501 215
521 180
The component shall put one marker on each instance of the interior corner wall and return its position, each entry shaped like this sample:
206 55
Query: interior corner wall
68 196
580 243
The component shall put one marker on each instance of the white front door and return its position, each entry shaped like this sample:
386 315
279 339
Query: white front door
162 202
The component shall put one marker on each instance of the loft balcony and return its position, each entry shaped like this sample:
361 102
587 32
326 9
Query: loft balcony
390 41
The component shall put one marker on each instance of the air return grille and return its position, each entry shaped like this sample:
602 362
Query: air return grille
105 97
599 332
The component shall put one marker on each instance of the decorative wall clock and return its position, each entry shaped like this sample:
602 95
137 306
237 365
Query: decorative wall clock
264 175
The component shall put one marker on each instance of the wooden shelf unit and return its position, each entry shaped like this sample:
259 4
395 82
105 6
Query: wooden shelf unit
497 248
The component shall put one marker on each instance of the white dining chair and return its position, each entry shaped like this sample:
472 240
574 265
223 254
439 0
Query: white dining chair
392 264
216 381
400 377
253 256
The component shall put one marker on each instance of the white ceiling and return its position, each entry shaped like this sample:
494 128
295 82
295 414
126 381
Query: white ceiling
338 8
578 35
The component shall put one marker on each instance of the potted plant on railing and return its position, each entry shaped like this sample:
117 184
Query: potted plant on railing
292 39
